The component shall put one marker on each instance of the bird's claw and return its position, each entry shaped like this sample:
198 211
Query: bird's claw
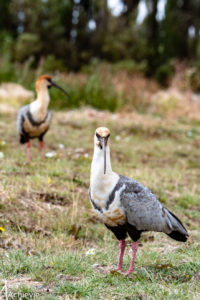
114 271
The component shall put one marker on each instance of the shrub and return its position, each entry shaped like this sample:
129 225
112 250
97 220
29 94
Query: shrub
193 76
51 64
130 66
28 44
164 73
7 68
95 92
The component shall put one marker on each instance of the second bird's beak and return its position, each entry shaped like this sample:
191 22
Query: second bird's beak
58 87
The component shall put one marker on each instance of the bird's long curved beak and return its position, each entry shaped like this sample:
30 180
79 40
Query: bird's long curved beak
60 88
104 153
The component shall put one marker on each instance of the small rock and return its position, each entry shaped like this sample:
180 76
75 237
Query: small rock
118 138
50 154
1 155
61 146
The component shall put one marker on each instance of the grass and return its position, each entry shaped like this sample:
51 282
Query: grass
49 224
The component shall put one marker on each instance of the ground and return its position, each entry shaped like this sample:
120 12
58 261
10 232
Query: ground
47 226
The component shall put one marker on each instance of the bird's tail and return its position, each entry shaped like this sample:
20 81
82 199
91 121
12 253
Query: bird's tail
22 139
178 233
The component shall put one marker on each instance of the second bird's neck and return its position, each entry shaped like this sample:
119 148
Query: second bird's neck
40 106
43 97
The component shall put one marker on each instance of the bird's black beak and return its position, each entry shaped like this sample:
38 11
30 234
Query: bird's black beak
104 153
58 87
104 141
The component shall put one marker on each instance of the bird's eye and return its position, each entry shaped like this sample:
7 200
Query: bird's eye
98 136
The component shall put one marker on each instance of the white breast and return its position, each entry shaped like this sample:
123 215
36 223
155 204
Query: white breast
114 215
38 111
101 186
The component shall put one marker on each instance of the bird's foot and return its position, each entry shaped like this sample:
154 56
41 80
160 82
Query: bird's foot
129 272
28 160
119 269
28 152
42 149
113 271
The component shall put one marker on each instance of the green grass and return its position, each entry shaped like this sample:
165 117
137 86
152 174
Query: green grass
48 220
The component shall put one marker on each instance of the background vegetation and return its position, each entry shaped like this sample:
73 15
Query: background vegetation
48 36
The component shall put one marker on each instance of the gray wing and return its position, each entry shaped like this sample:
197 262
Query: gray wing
22 113
144 211
49 116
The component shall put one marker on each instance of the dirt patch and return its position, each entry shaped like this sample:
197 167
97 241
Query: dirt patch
15 283
28 227
53 198
66 277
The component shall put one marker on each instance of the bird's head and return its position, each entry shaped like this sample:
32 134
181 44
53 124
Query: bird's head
101 140
45 82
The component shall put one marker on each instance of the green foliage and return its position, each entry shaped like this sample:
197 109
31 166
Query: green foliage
95 92
7 68
164 73
27 44
130 66
52 64
193 78
60 32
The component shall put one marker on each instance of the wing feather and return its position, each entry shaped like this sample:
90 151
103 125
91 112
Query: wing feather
142 208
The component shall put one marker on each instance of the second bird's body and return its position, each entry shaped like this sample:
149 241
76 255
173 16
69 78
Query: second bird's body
34 119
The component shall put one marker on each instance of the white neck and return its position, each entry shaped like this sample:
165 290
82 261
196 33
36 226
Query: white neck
43 97
101 185
40 105
97 167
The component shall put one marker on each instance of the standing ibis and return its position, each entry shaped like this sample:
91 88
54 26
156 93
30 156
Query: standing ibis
34 119
125 206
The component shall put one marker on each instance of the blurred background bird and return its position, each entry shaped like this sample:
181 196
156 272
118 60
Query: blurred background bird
124 205
34 119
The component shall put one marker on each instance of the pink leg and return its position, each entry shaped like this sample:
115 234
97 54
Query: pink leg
42 148
28 153
134 250
122 245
